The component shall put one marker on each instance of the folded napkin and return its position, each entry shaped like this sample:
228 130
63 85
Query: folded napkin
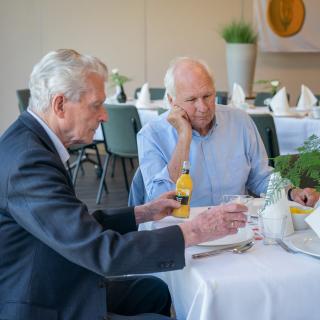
238 97
313 220
144 97
279 103
277 204
307 99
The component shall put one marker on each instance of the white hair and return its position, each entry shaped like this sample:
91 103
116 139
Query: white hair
62 72
169 79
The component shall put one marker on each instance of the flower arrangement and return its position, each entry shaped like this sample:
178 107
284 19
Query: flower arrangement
272 85
117 79
239 32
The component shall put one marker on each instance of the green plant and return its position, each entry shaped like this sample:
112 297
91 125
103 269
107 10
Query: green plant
272 85
239 32
117 79
304 165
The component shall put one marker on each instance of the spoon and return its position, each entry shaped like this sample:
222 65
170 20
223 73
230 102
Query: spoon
237 250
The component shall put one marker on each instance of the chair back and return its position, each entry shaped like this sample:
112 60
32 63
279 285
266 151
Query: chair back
155 93
222 97
137 189
267 130
23 99
121 130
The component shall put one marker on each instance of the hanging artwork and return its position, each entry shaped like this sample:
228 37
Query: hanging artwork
288 25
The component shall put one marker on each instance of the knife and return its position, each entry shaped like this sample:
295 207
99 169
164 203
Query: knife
284 246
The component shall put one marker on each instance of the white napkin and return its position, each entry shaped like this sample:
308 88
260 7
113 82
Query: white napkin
144 97
238 97
279 207
313 220
279 103
307 99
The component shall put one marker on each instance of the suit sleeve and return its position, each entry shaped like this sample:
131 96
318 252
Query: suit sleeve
42 202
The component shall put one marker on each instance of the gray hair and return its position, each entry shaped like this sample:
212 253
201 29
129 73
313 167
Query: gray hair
62 72
169 79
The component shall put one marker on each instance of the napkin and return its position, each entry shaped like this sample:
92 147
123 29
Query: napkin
277 204
144 97
279 103
238 96
313 220
307 99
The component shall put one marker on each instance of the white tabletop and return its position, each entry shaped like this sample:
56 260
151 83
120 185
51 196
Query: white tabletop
264 283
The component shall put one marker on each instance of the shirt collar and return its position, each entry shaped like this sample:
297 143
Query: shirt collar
61 149
210 132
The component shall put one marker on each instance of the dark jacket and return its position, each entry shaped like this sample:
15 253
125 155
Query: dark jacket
54 255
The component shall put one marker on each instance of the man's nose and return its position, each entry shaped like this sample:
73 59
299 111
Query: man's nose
104 114
202 105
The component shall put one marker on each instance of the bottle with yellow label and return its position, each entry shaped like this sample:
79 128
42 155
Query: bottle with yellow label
183 192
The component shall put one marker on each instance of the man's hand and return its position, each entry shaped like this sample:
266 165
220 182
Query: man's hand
156 209
179 119
214 223
306 197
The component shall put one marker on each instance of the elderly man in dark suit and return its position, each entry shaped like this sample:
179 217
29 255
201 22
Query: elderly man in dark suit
54 256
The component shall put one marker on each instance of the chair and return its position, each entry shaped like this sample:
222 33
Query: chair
267 131
23 96
222 97
81 150
155 93
137 190
120 138
262 96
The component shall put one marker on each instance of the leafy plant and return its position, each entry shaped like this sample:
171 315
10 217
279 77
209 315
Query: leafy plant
306 164
117 79
239 32
272 85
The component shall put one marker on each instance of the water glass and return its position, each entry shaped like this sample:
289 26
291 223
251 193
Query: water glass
237 198
272 228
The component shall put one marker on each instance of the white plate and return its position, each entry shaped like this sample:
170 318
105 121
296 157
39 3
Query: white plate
305 241
244 235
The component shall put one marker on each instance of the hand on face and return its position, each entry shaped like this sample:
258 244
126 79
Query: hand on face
306 197
179 119
214 223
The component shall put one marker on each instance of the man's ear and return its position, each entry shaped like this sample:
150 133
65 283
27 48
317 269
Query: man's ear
170 99
58 105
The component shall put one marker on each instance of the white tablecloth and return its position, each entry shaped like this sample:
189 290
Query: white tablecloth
265 283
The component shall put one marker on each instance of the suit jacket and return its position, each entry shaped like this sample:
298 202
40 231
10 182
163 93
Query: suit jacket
54 255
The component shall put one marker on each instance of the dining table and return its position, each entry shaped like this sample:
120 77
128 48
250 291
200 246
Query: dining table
292 129
265 283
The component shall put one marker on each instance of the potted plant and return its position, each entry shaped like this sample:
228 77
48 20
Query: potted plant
117 80
299 170
241 52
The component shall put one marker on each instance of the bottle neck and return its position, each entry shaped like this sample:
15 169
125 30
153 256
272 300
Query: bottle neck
185 171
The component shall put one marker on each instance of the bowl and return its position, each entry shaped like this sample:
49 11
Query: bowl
298 214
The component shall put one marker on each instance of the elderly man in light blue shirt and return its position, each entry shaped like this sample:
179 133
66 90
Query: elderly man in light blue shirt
223 145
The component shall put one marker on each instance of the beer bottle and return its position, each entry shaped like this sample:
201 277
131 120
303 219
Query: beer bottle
183 192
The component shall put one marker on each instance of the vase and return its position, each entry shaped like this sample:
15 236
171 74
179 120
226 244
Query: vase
121 96
241 61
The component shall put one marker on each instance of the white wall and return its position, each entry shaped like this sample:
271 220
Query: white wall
139 37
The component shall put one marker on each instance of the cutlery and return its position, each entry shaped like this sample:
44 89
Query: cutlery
284 246
235 249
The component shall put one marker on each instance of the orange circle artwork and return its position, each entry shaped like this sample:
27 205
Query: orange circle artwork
286 17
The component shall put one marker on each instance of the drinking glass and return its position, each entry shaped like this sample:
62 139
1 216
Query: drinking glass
272 228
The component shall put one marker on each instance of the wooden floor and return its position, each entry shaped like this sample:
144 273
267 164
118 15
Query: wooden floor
88 183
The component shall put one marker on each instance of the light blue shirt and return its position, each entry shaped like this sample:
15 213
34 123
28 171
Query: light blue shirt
230 159
61 149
